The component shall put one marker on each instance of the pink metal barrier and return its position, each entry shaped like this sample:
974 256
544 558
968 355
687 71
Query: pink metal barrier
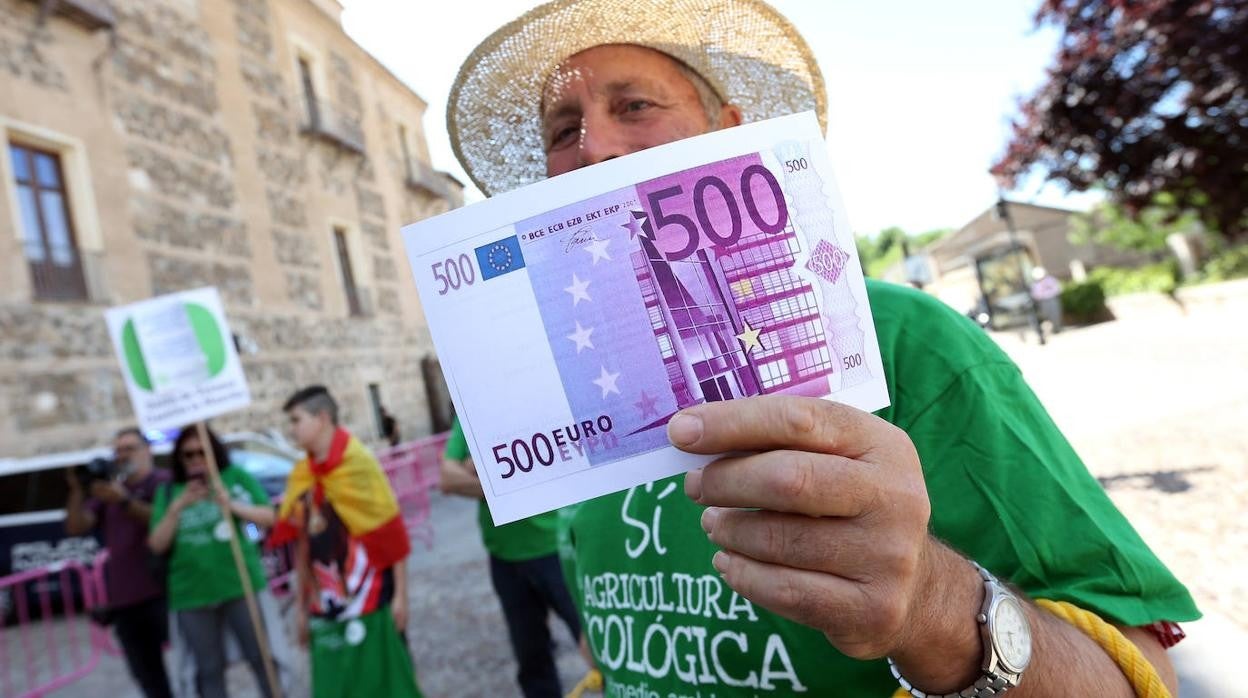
414 471
42 650
47 637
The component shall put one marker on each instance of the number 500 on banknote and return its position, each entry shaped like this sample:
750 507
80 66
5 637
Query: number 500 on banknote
575 316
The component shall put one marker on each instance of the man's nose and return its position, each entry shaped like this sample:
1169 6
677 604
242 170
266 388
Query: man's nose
601 139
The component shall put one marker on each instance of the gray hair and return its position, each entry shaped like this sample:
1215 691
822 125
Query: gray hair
712 103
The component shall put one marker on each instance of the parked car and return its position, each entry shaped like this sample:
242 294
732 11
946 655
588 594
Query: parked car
33 494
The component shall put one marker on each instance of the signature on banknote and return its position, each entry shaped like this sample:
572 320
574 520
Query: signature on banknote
579 239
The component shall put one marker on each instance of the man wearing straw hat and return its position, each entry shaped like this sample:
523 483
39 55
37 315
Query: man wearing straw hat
844 553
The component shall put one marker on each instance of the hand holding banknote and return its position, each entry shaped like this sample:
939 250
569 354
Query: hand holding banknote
823 522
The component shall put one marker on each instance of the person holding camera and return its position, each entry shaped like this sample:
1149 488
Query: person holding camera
115 500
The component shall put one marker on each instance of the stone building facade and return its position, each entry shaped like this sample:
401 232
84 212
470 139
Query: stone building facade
157 145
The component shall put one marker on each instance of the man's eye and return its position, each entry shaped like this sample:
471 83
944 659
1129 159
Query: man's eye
563 136
638 105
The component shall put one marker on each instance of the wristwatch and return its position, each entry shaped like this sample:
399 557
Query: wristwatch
1006 635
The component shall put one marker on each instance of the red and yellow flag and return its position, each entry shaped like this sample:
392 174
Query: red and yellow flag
357 488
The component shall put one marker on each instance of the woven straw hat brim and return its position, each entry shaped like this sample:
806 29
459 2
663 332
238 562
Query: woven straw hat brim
746 50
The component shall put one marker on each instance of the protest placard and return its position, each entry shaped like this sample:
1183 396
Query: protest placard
178 358
181 368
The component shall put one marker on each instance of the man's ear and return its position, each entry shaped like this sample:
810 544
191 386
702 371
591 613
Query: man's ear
729 116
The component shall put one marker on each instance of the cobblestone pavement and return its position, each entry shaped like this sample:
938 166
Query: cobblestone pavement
1158 410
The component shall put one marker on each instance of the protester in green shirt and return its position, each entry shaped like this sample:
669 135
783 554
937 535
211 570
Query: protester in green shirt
831 538
204 587
1005 488
525 572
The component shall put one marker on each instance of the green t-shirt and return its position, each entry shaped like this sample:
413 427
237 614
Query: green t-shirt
1006 489
526 539
201 566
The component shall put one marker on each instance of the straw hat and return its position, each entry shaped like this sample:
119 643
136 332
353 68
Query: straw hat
746 50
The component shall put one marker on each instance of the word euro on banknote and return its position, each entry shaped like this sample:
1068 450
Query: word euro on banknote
575 316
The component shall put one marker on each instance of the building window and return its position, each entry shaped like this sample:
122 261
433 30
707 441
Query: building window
47 224
322 118
309 93
354 307
374 399
407 153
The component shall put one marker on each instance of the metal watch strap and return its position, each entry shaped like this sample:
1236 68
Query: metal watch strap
988 684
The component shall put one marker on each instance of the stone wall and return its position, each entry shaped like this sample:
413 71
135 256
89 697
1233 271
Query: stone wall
89 402
222 188
176 273
159 222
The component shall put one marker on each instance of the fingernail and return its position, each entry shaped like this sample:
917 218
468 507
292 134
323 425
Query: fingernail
693 484
684 429
709 517
720 562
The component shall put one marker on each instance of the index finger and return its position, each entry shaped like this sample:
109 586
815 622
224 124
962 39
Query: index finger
776 421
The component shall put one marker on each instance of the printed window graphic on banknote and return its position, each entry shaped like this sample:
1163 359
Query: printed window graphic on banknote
688 288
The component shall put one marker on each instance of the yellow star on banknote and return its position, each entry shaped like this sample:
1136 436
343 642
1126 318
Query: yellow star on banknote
749 338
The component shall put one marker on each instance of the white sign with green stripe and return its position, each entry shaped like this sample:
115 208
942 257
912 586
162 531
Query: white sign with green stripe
178 358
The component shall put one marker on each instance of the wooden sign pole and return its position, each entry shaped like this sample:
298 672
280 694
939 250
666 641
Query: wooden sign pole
249 593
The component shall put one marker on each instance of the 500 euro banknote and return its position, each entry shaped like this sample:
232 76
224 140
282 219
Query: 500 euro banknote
575 316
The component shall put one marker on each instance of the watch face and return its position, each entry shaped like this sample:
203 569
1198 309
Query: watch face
1011 634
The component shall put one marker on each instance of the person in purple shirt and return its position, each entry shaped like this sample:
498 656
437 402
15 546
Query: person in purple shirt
119 510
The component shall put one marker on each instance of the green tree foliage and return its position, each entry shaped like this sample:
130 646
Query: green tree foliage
1112 225
1143 98
886 248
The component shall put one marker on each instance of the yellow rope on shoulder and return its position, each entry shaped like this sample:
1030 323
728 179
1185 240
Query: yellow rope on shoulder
1138 670
591 682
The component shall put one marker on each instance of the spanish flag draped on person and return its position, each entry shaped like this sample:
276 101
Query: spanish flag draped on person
350 549
350 478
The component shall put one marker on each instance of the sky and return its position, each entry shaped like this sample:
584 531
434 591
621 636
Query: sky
920 93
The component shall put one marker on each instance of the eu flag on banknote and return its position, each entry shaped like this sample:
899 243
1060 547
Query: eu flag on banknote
500 257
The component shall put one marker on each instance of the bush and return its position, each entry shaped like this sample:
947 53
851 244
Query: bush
1161 277
1084 302
1231 263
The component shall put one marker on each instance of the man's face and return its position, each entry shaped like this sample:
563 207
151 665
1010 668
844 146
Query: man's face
306 428
614 100
131 453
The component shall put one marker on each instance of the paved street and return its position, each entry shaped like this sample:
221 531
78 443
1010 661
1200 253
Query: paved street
1159 411
456 626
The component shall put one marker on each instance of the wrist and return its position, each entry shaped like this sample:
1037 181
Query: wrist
942 651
